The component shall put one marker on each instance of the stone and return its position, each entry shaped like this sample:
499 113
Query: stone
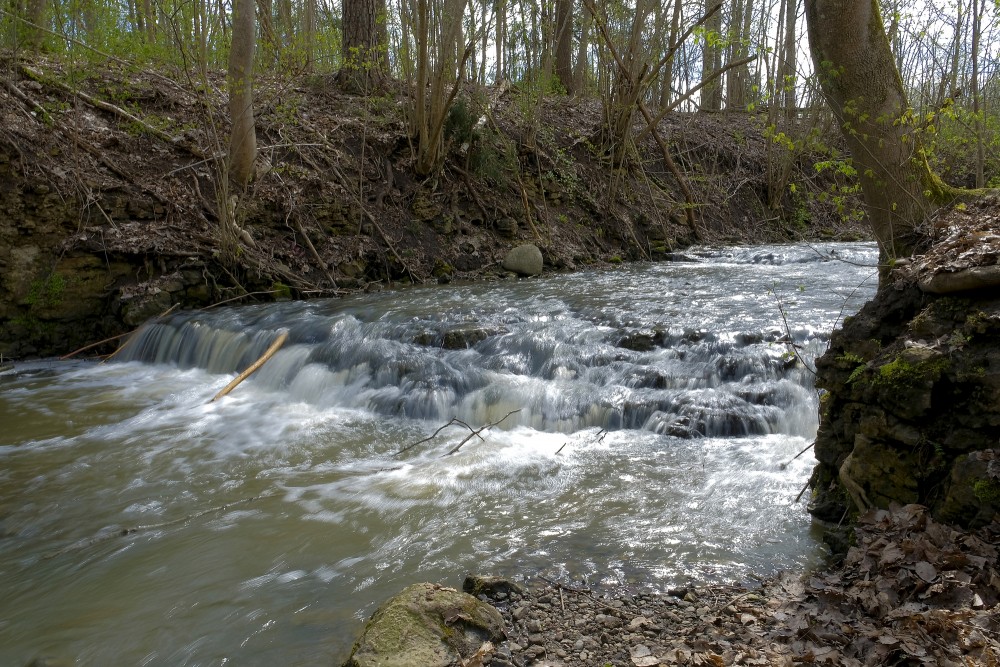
524 260
427 625
493 587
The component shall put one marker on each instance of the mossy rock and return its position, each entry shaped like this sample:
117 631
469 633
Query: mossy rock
426 625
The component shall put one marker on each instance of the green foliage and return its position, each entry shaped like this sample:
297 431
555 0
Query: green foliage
493 157
458 124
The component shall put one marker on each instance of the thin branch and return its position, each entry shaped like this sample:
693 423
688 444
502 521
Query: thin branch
474 433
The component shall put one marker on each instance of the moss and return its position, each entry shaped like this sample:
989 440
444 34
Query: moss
47 291
900 372
987 491
281 291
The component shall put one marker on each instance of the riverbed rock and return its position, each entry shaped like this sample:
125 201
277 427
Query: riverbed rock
524 260
427 625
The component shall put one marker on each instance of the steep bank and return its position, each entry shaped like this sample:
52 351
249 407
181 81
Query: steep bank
109 210
912 409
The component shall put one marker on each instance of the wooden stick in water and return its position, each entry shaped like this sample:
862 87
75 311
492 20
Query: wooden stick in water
253 367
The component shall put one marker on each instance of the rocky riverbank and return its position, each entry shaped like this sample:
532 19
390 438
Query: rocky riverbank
911 592
911 411
112 197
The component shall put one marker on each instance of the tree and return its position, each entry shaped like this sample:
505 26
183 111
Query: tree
564 44
363 67
858 75
711 61
243 139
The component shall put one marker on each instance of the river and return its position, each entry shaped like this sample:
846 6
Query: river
648 420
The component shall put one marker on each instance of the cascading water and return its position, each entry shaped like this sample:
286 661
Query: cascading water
653 408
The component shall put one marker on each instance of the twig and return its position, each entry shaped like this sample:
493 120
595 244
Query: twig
788 332
561 586
475 433
118 60
798 497
237 298
92 345
808 447
19 94
282 337
312 248
110 108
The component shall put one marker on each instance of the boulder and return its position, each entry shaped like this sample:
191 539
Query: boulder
427 625
524 260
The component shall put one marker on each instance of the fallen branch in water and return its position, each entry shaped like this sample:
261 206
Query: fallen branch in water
253 367
126 531
93 345
474 433
807 448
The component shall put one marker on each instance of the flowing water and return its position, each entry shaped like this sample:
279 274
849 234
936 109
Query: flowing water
656 408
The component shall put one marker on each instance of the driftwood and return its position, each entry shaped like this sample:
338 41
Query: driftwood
282 337
474 433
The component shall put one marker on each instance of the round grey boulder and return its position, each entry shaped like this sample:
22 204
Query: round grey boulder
524 260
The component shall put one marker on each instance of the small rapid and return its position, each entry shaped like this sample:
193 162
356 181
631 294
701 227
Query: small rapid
646 424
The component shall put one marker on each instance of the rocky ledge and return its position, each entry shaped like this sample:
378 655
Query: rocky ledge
911 592
911 412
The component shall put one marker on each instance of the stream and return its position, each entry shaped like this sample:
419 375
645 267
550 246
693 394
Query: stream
647 418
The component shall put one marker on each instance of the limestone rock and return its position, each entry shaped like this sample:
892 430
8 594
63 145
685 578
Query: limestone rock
524 260
426 625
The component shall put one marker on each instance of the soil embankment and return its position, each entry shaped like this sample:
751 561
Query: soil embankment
110 197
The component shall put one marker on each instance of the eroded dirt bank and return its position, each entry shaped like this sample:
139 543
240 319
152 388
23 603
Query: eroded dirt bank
110 210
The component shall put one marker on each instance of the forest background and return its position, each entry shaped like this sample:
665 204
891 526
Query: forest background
363 143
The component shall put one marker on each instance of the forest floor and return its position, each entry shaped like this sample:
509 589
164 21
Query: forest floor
112 189
911 592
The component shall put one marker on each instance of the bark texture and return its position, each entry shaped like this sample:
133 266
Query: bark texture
364 47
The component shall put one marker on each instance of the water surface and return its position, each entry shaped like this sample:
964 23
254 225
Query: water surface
656 409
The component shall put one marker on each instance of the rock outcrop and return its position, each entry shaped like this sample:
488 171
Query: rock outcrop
428 625
912 409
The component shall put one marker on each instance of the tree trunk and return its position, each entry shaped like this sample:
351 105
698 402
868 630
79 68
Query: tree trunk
858 75
243 139
711 60
788 60
582 61
670 68
977 19
564 44
363 48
